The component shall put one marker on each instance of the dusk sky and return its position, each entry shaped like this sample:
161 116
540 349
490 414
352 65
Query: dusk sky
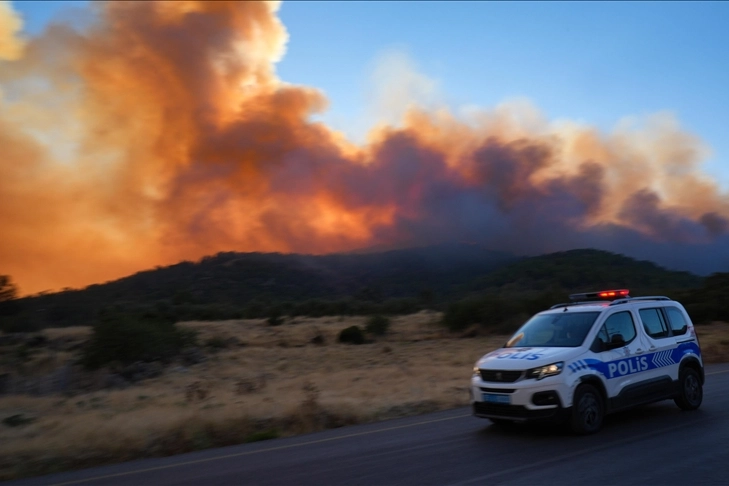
594 62
609 117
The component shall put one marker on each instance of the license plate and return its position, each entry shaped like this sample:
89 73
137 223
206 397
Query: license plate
494 398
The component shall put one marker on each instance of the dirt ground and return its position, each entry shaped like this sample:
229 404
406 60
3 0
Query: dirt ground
257 382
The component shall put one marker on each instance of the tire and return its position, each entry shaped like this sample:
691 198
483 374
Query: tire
691 392
588 410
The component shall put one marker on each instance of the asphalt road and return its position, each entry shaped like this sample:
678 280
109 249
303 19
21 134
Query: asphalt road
655 444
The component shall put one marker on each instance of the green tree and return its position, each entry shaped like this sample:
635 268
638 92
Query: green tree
8 290
125 338
10 307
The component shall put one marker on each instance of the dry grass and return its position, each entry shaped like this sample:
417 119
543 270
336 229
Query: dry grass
714 339
259 382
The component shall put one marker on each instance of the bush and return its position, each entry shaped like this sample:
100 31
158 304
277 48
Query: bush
489 311
352 335
400 306
275 318
460 315
127 338
217 343
377 325
22 322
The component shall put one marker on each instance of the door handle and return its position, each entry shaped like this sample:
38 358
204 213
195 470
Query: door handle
652 348
638 351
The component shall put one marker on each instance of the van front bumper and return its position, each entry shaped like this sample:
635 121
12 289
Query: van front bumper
518 413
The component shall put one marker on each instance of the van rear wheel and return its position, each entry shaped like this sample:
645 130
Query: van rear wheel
691 393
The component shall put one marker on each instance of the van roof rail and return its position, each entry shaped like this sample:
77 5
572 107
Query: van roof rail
583 302
631 299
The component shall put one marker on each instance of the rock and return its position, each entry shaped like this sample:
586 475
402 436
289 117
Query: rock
18 420
155 369
193 356
13 338
142 370
36 340
248 385
115 380
197 391
4 383
471 332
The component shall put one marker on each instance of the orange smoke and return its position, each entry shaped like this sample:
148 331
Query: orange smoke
162 133
11 46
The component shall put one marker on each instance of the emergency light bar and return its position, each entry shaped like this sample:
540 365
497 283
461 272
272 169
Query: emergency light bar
601 295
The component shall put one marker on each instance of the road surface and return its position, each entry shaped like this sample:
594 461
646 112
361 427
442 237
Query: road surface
656 444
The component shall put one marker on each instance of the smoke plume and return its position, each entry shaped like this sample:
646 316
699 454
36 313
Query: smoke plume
160 132
11 46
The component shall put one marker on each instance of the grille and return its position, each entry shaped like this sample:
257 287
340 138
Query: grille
515 411
498 390
512 411
500 376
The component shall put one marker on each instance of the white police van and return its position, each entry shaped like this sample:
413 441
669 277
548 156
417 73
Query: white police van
601 353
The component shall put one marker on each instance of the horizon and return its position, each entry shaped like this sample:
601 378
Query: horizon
355 253
139 135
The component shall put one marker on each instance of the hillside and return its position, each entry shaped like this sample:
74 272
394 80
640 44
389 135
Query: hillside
584 270
234 285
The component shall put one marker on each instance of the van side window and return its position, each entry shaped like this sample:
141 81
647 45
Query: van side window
618 323
676 320
653 323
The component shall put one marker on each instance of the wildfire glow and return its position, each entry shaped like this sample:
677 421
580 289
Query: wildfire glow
162 133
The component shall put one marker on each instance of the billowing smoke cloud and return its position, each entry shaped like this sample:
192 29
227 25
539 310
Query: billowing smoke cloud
160 132
11 45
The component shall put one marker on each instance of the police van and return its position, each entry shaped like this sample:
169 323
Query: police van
602 352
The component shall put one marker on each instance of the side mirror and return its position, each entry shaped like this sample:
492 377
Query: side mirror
598 346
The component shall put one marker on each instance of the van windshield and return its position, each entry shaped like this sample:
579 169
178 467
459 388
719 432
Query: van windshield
562 330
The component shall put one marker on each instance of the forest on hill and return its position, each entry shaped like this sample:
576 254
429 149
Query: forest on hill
445 277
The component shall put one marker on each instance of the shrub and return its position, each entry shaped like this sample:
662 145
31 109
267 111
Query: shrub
263 435
127 338
17 420
275 318
377 325
217 343
489 312
21 322
352 335
400 306
460 315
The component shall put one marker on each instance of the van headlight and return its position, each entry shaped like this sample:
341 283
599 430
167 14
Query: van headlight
545 371
476 371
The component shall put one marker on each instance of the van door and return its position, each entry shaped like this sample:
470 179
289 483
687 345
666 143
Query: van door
661 342
622 356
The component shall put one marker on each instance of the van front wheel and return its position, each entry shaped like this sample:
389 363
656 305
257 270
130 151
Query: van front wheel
588 410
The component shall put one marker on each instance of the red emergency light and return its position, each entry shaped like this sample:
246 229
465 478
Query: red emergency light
601 294
613 293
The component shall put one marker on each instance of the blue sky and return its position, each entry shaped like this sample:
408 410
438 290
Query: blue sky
591 62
